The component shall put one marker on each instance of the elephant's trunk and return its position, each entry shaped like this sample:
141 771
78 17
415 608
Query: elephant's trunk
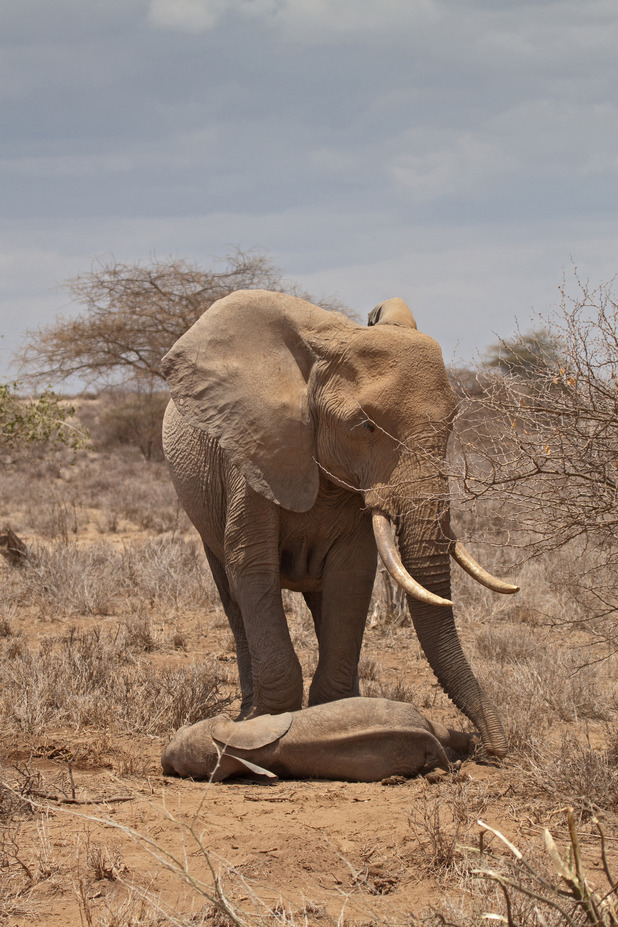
387 548
438 637
425 544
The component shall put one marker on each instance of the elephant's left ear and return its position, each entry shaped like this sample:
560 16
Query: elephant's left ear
251 734
230 765
392 312
241 374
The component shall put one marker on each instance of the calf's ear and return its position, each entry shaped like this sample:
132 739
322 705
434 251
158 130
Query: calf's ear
230 765
251 734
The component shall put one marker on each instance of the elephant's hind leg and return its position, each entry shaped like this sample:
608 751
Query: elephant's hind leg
347 584
234 616
251 552
314 604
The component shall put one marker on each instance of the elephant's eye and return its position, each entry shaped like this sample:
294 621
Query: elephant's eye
368 425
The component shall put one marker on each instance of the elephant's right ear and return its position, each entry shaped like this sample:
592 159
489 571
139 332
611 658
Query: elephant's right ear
240 373
252 733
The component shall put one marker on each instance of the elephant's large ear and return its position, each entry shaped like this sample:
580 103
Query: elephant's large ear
392 312
251 734
240 373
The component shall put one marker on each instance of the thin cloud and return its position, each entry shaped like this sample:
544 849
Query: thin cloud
307 20
455 154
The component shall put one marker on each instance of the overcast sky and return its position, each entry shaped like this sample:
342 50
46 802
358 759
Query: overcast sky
460 154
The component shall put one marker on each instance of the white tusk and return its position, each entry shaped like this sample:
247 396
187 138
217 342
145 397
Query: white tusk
474 569
382 530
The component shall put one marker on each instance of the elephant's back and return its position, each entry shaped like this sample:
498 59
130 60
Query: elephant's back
358 739
362 712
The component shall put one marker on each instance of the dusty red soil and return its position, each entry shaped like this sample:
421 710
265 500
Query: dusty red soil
318 847
101 838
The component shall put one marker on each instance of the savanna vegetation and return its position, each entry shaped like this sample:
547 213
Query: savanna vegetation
112 636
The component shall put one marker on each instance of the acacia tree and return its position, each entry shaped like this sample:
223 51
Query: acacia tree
525 354
540 442
133 314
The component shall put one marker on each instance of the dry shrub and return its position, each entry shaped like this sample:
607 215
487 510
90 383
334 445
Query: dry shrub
509 643
535 654
543 886
577 773
150 505
133 910
69 580
59 520
167 573
395 690
297 612
123 487
99 579
557 883
94 679
388 607
13 801
59 497
441 825
132 418
537 670
6 629
537 448
538 684
368 669
24 866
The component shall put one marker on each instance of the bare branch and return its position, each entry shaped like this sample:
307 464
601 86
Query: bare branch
540 445
133 313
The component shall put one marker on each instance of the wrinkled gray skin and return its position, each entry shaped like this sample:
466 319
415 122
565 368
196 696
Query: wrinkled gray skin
354 739
288 426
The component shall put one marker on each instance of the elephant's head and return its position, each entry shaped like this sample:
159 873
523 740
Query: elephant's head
219 747
291 390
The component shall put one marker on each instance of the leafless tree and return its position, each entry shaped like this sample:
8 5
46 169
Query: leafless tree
540 445
133 313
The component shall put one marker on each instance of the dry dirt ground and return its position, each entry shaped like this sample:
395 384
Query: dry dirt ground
110 639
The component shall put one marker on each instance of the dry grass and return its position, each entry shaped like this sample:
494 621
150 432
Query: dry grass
96 679
443 825
57 497
577 773
163 574
100 640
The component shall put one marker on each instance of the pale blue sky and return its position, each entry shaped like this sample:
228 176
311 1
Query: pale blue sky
457 154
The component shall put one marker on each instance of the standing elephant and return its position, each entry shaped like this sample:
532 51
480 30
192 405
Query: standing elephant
300 444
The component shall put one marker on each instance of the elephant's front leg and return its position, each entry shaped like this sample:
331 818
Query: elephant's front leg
348 579
252 566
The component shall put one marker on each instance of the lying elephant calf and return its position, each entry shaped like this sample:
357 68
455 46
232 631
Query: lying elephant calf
355 739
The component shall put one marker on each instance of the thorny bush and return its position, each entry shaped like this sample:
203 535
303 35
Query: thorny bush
538 447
